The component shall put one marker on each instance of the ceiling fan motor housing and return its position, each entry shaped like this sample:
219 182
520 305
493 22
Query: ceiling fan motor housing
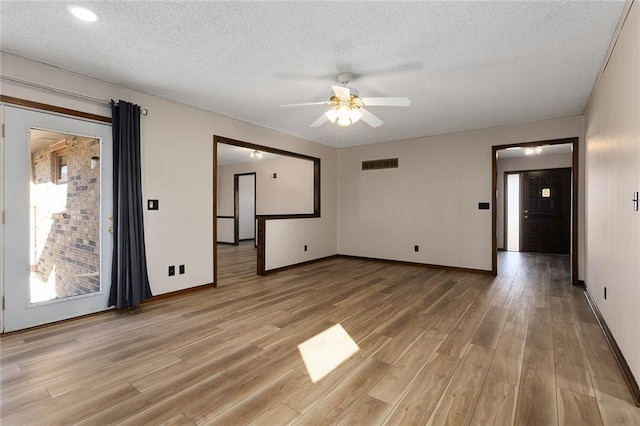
344 78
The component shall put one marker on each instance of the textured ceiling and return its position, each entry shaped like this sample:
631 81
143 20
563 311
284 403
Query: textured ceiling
464 65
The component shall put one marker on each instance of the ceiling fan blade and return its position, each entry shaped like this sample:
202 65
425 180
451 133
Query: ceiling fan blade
342 92
370 119
320 121
307 104
386 101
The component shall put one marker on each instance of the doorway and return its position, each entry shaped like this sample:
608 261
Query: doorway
58 195
244 188
290 182
538 211
548 157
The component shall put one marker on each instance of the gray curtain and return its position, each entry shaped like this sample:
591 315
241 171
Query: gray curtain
129 279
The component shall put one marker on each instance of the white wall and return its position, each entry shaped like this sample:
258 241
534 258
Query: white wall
246 207
613 174
517 164
295 234
291 192
225 231
431 200
177 149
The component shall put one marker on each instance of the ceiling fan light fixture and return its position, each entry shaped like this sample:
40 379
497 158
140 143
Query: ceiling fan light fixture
331 114
355 115
343 115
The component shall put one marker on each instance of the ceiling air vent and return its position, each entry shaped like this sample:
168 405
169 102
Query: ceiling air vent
387 163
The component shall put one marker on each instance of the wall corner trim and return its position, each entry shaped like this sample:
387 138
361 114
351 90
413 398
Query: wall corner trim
632 384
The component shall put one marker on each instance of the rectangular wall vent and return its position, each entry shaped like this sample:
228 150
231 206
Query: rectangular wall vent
387 163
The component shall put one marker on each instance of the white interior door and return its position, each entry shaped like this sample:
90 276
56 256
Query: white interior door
247 207
58 200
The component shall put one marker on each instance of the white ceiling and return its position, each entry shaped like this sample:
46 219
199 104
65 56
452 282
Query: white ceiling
564 148
464 65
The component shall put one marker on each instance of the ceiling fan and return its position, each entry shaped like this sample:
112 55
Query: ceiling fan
347 107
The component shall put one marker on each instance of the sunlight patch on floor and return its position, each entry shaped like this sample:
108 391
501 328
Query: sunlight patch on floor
325 351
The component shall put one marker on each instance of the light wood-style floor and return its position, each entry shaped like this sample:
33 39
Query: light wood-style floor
435 347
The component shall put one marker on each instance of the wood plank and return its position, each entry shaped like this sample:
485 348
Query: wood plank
490 328
401 343
255 404
571 366
418 403
370 411
537 398
496 404
306 398
458 402
575 409
346 395
230 355
280 415
506 365
615 411
394 384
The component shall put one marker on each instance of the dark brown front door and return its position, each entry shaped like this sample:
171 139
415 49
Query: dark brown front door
546 211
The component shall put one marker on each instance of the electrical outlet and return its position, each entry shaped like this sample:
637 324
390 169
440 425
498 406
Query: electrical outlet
605 293
305 247
181 269
172 270
416 248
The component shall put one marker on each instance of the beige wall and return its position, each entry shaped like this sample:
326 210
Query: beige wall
177 168
613 175
431 200
290 193
519 164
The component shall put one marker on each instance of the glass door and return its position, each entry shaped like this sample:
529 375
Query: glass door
57 196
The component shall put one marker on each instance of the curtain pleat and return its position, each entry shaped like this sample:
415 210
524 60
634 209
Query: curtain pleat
129 278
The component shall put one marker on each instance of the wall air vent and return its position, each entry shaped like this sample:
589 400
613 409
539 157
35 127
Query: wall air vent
387 163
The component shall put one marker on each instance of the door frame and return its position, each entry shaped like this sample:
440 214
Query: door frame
41 107
236 205
82 305
575 195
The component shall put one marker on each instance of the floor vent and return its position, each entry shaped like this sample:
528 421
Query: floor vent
387 163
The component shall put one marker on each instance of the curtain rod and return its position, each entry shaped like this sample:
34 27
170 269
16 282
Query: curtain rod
62 92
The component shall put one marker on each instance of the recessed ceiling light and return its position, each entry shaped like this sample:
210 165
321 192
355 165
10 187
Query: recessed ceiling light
82 13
